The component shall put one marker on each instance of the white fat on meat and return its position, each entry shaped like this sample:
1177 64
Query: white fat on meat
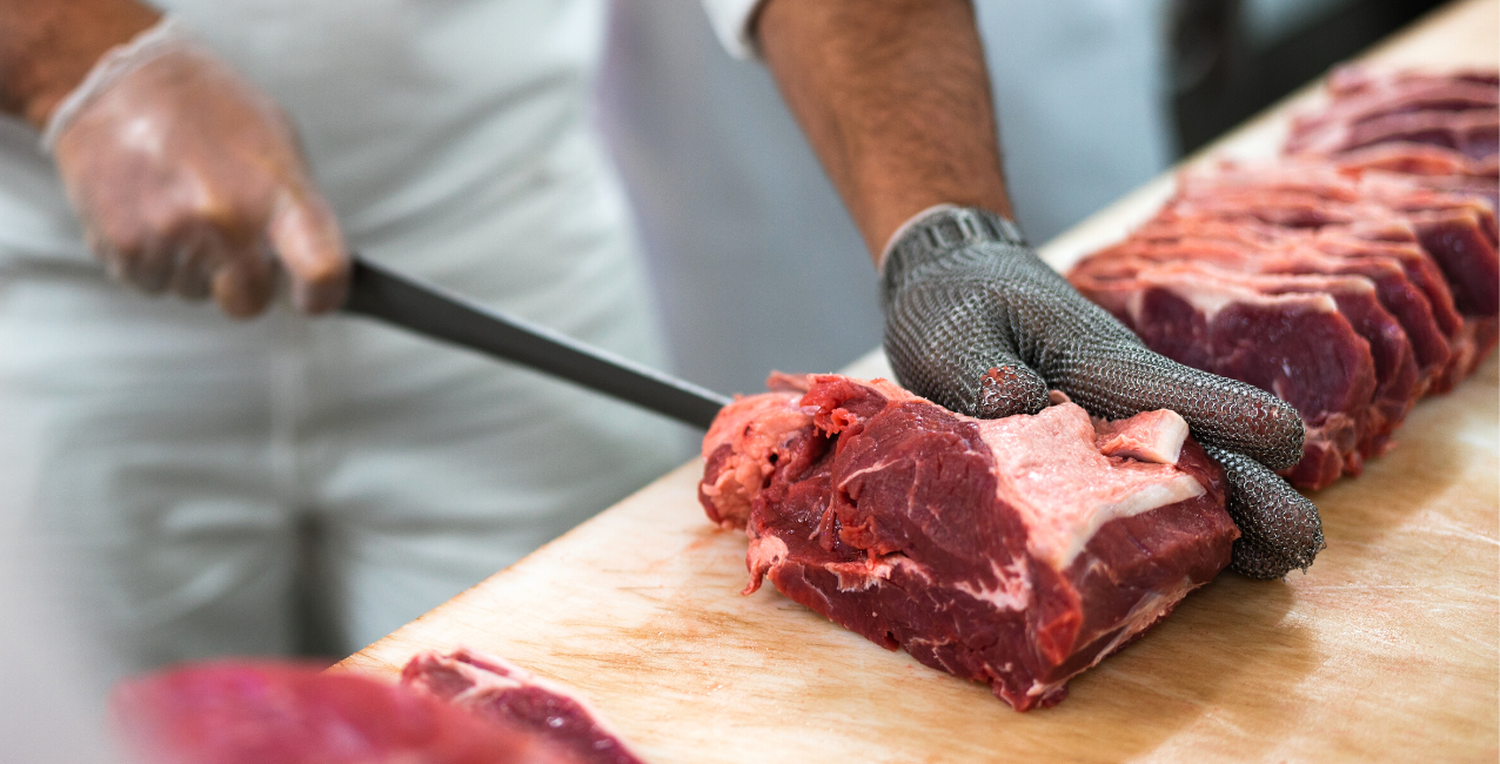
860 575
1050 468
1210 295
1151 436
1013 591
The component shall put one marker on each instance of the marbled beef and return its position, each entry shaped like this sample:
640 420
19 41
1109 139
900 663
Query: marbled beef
1016 552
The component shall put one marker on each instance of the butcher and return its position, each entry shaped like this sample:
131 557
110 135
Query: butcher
178 468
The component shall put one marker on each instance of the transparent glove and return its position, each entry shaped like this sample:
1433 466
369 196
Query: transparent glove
189 178
977 322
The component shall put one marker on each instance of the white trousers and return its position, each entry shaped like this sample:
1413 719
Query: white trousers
191 480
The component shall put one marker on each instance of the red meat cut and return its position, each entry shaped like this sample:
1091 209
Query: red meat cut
511 697
1016 552
1456 110
1322 344
460 709
244 712
1350 278
1232 247
1457 230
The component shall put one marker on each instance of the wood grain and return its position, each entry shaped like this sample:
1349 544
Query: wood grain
1387 650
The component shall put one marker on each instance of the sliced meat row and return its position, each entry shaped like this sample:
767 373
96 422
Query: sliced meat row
1350 278
1456 110
1322 343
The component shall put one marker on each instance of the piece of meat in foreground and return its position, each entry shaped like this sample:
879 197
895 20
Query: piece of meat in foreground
256 712
510 696
1016 552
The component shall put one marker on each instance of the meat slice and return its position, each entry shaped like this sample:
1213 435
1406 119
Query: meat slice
1395 367
1428 166
1352 79
1398 241
1457 230
241 712
510 697
1016 552
1392 241
1471 133
1231 247
1456 110
1266 332
752 436
1419 159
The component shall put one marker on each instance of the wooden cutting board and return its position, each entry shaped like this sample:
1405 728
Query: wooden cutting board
1388 649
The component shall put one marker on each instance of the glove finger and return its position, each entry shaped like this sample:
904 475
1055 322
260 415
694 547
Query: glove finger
307 239
955 355
243 286
1279 528
1121 381
1008 388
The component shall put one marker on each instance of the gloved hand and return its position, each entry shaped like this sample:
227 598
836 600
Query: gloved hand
188 177
977 322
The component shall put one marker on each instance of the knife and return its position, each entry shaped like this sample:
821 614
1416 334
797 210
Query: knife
379 292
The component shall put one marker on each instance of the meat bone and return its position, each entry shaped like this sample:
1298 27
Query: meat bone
378 292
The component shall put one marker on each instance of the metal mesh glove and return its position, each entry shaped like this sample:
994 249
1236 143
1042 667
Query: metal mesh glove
977 322
188 177
1279 528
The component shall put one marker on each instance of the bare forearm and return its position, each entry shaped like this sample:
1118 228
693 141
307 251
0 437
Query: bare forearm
895 99
48 46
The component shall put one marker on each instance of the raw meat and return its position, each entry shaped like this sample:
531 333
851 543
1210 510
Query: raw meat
1350 278
511 697
1455 110
458 709
1457 230
258 712
1430 166
1286 337
1016 552
1233 247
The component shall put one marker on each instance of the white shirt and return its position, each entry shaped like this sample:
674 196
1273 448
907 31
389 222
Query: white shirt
757 264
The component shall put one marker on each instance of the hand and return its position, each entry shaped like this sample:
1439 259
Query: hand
187 177
977 322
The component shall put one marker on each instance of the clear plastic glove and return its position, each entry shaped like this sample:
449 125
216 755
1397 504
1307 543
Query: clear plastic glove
977 322
189 178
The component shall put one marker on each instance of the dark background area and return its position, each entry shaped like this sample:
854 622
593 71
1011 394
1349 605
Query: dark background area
1221 76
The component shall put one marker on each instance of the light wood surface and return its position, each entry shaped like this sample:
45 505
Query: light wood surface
1387 650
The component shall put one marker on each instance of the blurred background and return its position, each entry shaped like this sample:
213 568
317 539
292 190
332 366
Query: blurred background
754 262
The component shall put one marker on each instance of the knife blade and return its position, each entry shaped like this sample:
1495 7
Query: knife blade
378 292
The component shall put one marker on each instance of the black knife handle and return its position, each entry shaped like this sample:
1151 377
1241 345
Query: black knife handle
425 309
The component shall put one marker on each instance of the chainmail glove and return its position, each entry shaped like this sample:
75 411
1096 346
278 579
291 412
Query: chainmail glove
975 321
